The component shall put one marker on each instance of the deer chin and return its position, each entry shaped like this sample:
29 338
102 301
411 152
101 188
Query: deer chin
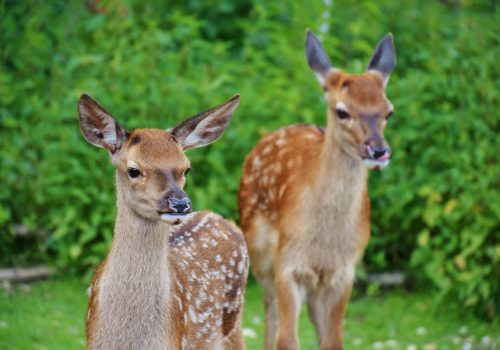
175 219
374 164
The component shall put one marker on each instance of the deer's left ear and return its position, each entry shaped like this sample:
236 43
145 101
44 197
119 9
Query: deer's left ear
206 127
98 126
384 58
316 57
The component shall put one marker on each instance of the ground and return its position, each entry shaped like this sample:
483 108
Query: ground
51 315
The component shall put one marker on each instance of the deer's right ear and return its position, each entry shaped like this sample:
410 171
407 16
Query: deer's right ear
316 57
206 127
98 126
383 60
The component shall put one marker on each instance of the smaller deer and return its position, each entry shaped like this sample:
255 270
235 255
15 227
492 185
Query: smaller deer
172 279
304 204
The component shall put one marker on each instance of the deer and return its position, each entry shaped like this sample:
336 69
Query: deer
303 199
173 278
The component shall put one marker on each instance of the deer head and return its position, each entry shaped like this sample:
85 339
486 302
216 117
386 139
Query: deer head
151 166
358 108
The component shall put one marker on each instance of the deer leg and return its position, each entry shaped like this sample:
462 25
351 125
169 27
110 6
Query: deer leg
288 293
335 304
272 320
316 311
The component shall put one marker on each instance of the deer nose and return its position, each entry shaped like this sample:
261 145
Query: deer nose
179 205
379 153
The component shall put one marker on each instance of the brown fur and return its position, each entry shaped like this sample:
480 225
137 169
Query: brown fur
305 210
164 285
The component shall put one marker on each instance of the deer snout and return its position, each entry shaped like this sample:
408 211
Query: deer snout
378 153
175 203
179 205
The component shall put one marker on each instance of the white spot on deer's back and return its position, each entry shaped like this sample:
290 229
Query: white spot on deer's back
267 149
263 180
256 163
280 142
192 315
241 266
282 191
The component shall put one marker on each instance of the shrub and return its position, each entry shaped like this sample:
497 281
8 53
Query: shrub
435 209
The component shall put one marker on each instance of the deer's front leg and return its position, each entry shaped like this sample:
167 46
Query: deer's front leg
288 295
335 303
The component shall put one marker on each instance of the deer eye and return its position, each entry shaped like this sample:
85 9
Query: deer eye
388 116
342 114
187 171
134 172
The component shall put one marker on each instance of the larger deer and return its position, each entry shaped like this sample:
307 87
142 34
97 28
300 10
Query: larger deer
172 279
303 199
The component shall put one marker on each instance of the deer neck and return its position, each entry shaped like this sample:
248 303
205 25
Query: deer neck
341 178
139 243
135 289
137 267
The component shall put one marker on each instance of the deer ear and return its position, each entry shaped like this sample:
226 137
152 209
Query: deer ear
383 60
98 126
206 127
316 57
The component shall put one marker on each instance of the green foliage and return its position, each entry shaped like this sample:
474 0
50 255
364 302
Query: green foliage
435 210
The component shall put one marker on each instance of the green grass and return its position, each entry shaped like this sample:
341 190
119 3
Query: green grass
51 315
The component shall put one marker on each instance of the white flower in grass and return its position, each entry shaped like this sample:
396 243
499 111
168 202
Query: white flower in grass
249 333
455 340
378 345
357 341
421 330
256 320
486 340
462 330
391 343
411 347
467 346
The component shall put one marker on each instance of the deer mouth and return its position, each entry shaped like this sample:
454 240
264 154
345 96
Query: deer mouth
375 164
174 218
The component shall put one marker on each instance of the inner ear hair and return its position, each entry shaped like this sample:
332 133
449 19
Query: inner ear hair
98 126
206 127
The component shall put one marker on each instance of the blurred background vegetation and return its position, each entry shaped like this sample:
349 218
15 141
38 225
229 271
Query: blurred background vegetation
435 210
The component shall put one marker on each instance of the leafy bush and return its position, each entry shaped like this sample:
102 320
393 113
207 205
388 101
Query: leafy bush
435 209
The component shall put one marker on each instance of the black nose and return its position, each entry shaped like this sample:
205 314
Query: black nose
179 205
378 153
